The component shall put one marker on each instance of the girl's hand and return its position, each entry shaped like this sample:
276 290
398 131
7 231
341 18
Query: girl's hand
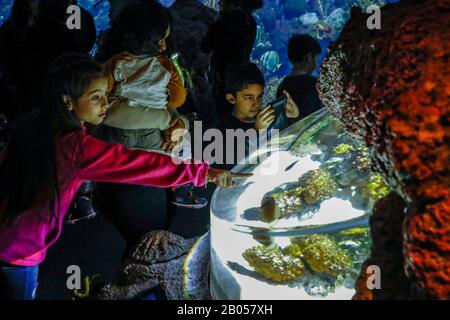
265 118
173 135
292 110
225 178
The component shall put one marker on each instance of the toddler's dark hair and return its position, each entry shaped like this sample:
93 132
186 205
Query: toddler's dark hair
300 45
137 29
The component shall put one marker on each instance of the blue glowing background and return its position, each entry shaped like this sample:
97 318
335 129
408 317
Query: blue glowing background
277 21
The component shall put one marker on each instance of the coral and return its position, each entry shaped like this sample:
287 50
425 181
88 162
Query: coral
178 266
273 264
427 250
356 242
313 187
288 201
347 163
362 159
315 263
293 250
390 89
397 102
336 20
377 188
342 148
318 185
316 284
323 255
359 232
307 140
385 228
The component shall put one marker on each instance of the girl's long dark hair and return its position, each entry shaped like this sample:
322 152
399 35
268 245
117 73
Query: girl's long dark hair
137 29
28 174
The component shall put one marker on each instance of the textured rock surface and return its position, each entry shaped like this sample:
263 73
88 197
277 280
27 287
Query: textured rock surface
386 225
427 249
162 259
273 264
391 88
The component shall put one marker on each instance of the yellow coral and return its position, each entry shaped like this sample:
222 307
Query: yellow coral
323 255
293 250
314 187
377 188
362 158
273 264
318 185
342 148
356 232
288 201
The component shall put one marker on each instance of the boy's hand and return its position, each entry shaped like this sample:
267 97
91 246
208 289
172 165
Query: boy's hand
265 118
225 178
292 110
173 135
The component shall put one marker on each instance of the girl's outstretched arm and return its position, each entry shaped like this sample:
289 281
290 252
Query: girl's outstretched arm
98 161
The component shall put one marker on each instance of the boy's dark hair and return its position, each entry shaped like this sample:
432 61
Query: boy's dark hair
137 29
239 76
300 45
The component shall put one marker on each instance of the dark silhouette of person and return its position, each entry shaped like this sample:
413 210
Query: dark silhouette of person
30 40
230 40
303 52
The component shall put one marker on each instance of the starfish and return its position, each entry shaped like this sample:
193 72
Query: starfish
179 266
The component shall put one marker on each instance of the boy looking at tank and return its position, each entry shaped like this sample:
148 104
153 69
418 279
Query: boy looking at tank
303 52
244 86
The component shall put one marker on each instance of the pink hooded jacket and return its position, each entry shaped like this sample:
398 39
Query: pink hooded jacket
82 157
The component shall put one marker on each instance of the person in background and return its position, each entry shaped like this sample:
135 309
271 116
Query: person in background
133 49
230 40
35 34
244 88
303 52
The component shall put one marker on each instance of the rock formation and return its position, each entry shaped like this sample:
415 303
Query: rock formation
391 89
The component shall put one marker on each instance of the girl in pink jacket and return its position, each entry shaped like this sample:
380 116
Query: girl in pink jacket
49 155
